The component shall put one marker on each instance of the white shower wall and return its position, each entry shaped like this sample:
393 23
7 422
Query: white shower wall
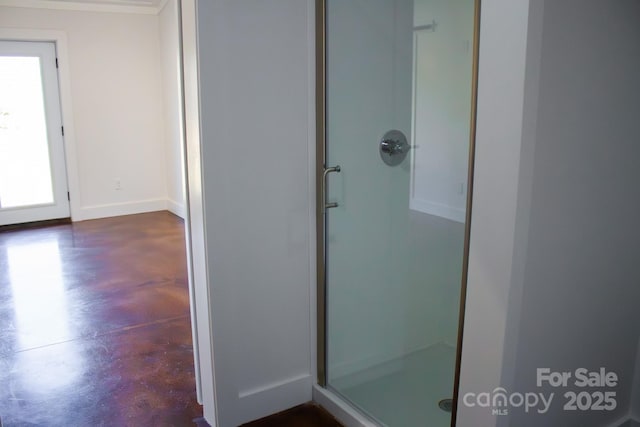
443 58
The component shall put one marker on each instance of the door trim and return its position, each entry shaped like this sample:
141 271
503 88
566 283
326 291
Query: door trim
467 224
195 219
59 38
321 285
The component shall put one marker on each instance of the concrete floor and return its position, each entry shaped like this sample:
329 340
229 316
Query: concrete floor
94 324
95 327
307 415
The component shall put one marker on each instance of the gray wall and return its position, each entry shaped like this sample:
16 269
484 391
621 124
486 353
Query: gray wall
579 241
499 141
552 277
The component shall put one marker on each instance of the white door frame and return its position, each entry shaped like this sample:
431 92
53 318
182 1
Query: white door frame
195 219
59 38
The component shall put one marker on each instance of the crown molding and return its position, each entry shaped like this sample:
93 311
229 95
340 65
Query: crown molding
85 7
162 4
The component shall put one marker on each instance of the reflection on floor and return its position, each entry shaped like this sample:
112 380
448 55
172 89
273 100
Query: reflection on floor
408 392
94 324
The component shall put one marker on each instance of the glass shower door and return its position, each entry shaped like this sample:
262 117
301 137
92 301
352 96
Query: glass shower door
398 85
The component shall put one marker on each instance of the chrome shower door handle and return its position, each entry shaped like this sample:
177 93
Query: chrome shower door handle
324 187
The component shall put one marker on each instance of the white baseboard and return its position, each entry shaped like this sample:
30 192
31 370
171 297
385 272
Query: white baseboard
176 208
437 209
337 407
119 209
272 398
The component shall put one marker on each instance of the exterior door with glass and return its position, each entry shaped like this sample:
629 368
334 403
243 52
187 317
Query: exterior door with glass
33 181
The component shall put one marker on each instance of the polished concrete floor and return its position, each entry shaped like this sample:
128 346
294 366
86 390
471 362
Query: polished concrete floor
307 415
94 324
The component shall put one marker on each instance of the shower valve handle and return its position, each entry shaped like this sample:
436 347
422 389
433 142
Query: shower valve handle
394 147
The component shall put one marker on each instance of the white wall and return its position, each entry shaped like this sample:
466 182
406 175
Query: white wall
172 97
116 89
254 104
554 240
499 141
580 289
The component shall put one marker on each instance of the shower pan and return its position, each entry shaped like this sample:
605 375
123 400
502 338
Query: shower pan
396 109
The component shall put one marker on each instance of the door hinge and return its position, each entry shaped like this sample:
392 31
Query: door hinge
56 62
62 129
68 196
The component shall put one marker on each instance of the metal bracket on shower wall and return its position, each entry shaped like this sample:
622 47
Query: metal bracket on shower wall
431 28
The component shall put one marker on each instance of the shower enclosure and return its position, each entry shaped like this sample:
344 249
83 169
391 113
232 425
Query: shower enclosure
395 130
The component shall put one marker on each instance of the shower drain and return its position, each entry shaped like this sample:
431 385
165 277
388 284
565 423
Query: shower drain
446 405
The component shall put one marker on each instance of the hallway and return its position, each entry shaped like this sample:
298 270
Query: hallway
95 326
